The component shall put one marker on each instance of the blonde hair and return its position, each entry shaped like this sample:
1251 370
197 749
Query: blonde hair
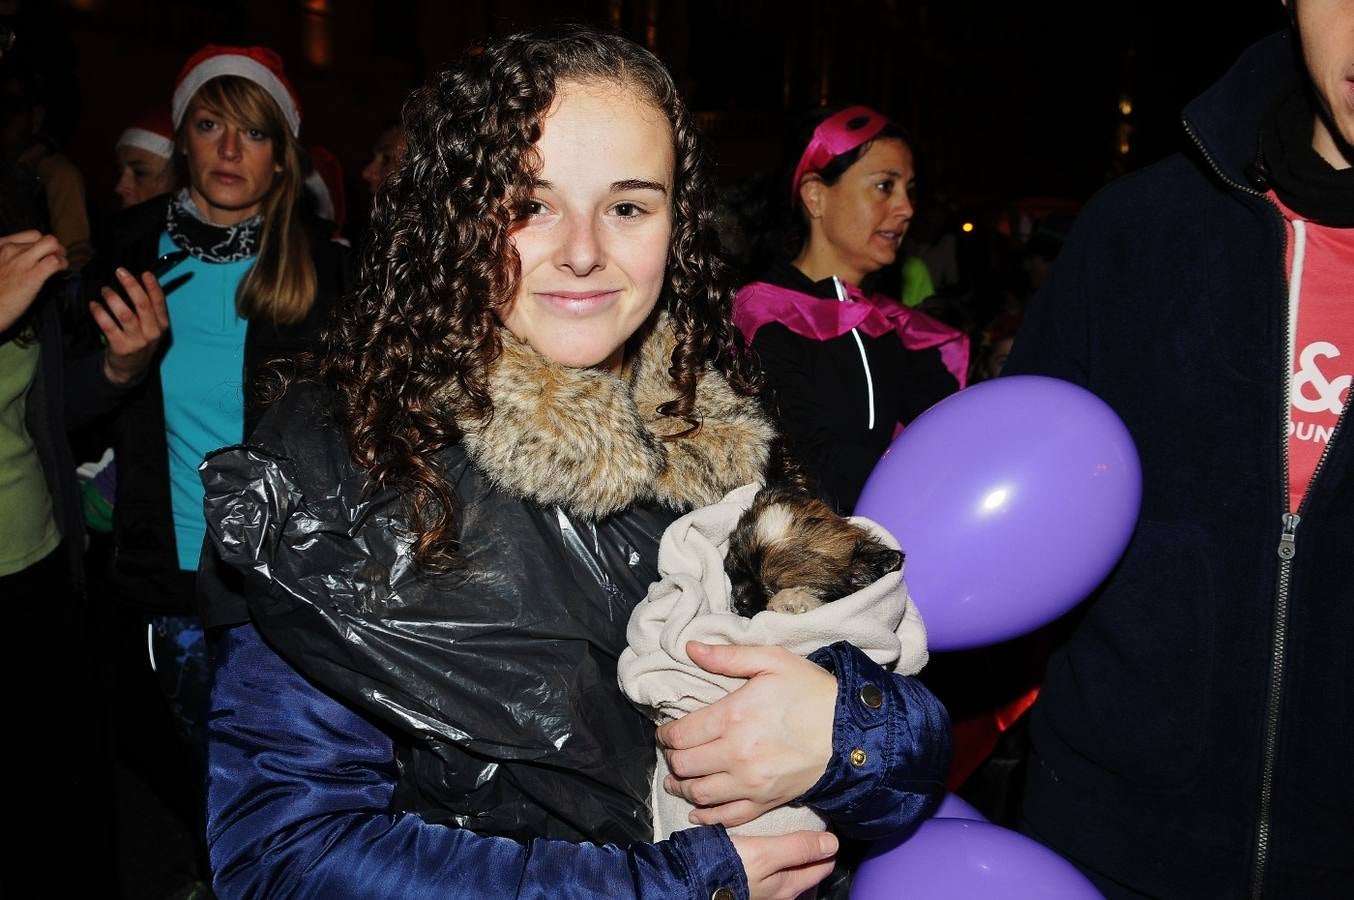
281 283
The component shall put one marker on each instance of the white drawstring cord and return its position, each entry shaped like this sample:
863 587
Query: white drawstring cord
860 345
1295 287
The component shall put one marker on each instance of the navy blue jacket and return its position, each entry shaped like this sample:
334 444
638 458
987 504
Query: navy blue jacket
304 805
1193 737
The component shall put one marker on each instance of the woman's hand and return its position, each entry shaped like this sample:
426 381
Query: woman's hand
27 260
782 868
133 332
761 746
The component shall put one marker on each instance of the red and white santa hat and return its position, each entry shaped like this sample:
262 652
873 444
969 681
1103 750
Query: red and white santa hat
152 132
258 64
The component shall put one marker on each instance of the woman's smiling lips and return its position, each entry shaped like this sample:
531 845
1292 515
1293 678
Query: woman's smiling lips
579 303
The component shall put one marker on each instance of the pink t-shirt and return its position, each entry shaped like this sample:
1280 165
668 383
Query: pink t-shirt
1321 299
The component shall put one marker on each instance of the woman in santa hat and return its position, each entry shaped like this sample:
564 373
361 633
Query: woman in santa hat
252 284
145 155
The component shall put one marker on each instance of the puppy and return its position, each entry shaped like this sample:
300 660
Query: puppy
791 553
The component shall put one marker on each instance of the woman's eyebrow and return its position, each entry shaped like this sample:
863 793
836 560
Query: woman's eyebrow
637 184
628 184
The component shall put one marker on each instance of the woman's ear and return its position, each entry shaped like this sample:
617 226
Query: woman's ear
811 195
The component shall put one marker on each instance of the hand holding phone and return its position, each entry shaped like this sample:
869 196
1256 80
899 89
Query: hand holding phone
132 327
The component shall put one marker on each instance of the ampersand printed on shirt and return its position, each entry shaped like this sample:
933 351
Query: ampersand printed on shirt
1328 391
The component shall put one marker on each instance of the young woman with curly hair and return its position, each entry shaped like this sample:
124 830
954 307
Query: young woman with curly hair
442 534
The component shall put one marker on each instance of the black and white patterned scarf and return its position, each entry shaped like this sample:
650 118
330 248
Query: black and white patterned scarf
191 231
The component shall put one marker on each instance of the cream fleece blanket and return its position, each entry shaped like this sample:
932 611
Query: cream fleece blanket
692 602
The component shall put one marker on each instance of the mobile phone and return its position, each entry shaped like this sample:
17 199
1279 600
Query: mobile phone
167 261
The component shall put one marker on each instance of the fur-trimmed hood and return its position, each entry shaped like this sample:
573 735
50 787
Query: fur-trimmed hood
592 442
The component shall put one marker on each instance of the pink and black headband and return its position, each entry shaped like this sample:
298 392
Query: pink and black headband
837 134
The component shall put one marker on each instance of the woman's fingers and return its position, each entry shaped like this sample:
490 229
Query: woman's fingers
20 237
708 724
143 315
772 737
124 315
27 260
739 812
705 759
693 729
707 791
107 324
44 245
156 295
783 867
136 293
50 264
132 326
147 317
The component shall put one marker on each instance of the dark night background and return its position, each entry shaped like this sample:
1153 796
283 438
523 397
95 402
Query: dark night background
1018 112
1006 101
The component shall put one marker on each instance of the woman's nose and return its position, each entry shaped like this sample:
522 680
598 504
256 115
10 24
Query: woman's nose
124 187
902 203
580 250
229 146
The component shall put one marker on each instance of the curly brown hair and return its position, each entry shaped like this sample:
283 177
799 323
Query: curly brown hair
440 261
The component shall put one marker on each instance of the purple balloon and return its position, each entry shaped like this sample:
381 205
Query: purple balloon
955 859
955 807
1012 500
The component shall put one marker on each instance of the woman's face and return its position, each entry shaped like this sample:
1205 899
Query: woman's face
594 246
231 167
997 355
141 175
858 224
386 157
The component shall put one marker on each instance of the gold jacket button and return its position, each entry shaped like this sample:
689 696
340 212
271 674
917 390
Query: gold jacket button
871 696
723 894
858 757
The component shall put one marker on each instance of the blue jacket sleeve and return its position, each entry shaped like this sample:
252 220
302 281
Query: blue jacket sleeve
298 805
891 748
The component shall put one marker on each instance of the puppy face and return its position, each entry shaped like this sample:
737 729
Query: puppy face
792 553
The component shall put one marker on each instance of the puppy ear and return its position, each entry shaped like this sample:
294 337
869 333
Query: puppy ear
872 560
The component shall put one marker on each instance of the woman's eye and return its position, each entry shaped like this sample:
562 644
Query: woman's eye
533 208
628 210
886 186
256 135
205 125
